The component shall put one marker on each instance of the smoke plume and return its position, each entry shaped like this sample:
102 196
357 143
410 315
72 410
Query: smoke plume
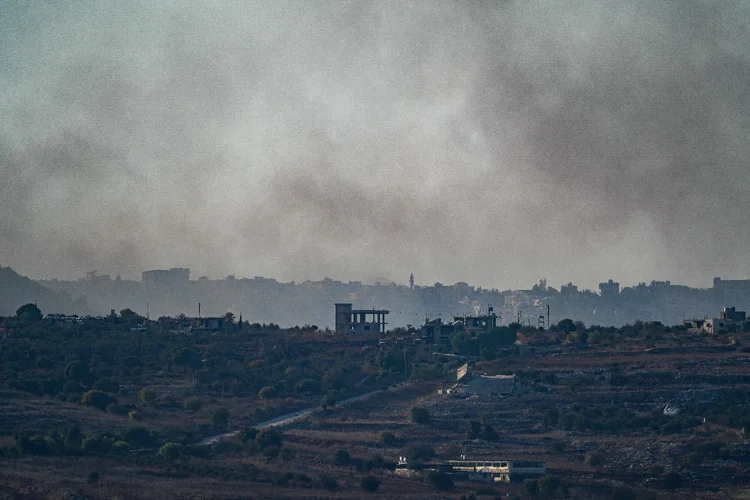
489 142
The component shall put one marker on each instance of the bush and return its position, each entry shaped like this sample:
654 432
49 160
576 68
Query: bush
246 434
532 486
97 399
388 439
147 395
271 452
116 409
138 436
417 452
170 451
193 404
329 483
419 415
370 484
329 400
220 417
286 454
268 392
106 385
595 459
268 437
550 485
73 387
440 480
672 480
559 446
119 448
342 457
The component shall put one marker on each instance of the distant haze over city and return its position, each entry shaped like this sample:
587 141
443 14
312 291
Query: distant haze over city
494 143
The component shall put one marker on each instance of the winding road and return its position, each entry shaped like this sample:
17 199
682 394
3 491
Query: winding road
292 417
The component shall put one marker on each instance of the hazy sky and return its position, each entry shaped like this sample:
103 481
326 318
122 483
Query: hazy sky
489 142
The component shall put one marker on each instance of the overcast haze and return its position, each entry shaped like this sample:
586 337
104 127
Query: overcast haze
488 142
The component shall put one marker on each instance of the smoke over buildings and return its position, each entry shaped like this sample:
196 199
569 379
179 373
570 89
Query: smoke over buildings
489 142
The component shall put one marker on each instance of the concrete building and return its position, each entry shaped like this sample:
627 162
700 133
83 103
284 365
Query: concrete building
350 320
729 320
497 470
210 323
731 285
436 332
166 278
483 471
609 290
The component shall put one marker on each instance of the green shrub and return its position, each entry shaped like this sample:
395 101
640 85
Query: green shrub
193 404
170 451
370 484
440 480
97 399
268 392
220 417
342 457
147 395
388 439
671 480
419 415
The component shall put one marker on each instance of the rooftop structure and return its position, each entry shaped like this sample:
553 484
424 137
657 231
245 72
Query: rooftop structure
349 320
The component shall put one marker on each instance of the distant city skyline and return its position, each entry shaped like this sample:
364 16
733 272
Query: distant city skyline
594 286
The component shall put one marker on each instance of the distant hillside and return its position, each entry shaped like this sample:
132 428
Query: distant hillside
16 290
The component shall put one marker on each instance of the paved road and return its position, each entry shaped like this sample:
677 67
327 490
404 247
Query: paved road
291 417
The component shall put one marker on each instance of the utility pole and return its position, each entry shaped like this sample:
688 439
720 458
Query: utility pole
199 310
548 325
406 367
148 316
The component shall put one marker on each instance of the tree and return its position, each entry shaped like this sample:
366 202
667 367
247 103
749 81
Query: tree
440 480
77 371
566 325
147 395
419 415
595 459
418 452
268 437
489 433
268 392
388 439
129 316
193 404
672 480
97 399
548 485
342 457
93 478
187 357
532 486
29 313
475 430
170 451
370 484
138 436
329 400
220 417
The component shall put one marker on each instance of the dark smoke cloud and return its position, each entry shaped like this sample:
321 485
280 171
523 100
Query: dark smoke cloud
491 142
